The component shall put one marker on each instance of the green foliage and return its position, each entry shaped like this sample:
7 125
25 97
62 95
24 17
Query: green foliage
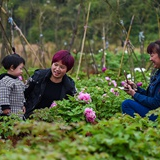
121 137
7 123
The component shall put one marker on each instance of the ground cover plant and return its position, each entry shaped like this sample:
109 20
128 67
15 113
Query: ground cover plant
120 137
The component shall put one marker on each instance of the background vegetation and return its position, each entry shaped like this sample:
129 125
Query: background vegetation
59 24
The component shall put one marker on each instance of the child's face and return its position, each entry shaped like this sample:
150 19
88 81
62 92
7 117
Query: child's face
17 71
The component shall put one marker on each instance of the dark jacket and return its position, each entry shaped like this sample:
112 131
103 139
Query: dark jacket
36 87
150 98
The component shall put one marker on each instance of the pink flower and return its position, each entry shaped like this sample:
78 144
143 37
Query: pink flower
84 97
107 78
90 115
53 104
139 84
114 91
114 83
20 77
104 69
104 95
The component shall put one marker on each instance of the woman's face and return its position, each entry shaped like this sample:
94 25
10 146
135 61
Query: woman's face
58 70
155 59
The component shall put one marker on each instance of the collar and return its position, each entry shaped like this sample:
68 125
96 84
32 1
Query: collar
6 74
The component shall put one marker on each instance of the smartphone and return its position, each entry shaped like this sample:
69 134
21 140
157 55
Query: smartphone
125 75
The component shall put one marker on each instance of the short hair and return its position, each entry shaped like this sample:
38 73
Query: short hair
12 60
154 47
66 58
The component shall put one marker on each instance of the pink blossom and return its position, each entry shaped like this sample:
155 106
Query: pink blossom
53 104
104 95
114 83
90 115
107 78
84 97
20 77
104 69
139 84
114 91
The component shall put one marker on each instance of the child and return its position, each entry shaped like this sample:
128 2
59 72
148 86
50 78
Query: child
11 87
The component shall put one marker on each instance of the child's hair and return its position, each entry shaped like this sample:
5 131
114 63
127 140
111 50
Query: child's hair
12 60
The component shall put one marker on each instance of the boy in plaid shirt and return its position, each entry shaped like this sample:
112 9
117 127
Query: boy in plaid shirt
11 87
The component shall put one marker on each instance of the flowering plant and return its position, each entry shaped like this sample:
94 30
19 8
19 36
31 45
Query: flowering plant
114 91
110 81
90 115
84 97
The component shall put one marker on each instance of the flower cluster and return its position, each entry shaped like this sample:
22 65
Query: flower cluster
84 97
90 115
111 81
114 91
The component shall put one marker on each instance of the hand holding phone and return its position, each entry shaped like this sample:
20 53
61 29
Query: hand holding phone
132 84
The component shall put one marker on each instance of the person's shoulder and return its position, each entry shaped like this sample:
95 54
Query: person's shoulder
68 80
70 84
8 81
2 75
40 73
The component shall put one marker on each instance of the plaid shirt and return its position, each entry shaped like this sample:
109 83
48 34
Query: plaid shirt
12 93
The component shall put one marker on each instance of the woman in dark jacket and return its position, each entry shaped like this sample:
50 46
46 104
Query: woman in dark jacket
149 99
48 85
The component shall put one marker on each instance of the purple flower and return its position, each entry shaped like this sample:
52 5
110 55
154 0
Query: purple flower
90 115
53 104
84 97
104 69
122 83
139 84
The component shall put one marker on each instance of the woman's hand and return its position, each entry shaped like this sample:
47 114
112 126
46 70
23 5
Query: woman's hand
24 109
130 90
133 85
130 83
